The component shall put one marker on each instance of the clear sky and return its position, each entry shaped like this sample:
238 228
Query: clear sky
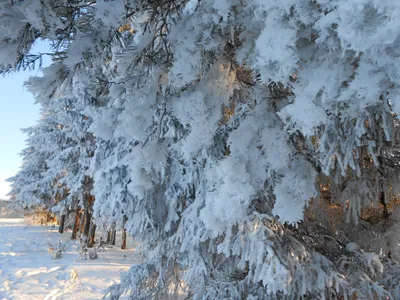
17 111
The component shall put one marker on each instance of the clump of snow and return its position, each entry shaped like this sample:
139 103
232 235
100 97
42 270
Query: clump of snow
352 247
294 190
110 15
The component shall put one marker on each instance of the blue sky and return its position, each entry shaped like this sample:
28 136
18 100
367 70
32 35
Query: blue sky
17 111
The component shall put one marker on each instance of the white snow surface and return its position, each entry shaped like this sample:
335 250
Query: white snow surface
28 272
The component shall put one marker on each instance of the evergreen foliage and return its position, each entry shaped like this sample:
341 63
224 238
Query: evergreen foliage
247 146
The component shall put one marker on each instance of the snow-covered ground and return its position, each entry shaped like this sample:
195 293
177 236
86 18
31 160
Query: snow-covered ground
27 271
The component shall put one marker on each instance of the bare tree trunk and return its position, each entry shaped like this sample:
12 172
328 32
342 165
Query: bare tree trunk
108 237
88 217
123 246
382 201
113 235
62 223
82 224
92 234
76 225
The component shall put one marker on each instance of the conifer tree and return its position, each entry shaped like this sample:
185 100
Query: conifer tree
250 147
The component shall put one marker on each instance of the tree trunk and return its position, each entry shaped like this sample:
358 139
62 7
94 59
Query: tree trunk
82 227
123 246
88 217
113 237
382 201
76 225
62 223
108 237
113 234
92 234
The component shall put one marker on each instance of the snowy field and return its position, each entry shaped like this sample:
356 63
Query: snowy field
28 272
